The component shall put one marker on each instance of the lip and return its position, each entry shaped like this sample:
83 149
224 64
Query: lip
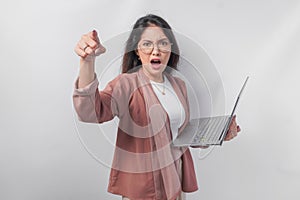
155 59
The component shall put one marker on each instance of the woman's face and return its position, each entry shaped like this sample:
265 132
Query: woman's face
154 50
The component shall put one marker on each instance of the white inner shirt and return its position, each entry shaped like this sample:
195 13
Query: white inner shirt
171 104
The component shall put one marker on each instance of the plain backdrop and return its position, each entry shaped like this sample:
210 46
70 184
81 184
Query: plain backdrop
42 156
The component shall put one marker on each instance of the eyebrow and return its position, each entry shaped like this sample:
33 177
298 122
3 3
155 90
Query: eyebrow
157 40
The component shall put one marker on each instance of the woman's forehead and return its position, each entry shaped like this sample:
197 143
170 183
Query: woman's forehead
153 33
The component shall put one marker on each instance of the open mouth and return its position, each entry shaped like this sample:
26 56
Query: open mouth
155 61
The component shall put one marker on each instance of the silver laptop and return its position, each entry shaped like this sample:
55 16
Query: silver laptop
207 131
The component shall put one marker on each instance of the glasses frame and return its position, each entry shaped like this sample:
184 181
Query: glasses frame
155 43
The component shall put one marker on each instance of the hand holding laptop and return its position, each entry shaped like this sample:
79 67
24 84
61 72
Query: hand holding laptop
233 130
206 131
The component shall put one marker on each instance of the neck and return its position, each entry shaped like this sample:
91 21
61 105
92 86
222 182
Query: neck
159 78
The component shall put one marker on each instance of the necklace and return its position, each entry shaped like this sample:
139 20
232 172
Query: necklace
161 91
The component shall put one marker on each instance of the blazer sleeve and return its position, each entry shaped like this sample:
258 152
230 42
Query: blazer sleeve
94 106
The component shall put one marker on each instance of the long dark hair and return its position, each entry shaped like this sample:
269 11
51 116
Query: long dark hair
130 58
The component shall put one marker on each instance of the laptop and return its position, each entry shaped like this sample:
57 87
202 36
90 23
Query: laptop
209 130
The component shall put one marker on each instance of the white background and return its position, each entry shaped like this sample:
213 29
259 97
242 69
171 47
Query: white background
41 156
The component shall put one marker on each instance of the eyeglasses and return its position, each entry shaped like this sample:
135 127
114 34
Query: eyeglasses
147 46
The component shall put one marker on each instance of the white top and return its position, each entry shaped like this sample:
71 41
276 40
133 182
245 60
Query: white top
171 104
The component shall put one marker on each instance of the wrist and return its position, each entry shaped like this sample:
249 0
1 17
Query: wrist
88 59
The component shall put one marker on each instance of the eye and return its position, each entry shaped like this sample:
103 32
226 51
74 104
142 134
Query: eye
164 43
146 44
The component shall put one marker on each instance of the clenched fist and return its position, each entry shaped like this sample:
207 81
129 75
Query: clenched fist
89 46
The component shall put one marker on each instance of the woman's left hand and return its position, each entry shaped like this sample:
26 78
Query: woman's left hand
233 129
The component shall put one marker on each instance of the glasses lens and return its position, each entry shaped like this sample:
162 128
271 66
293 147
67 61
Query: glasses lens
164 46
147 46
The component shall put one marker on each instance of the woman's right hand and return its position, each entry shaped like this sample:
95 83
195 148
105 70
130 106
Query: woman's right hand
89 46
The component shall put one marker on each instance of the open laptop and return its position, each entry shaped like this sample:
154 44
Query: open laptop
208 130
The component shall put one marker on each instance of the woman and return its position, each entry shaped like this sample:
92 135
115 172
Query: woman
152 107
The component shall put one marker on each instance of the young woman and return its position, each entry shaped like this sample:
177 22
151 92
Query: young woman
152 107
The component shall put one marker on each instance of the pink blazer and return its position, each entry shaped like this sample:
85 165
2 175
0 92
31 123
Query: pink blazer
145 164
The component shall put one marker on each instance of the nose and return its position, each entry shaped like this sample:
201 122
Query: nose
155 50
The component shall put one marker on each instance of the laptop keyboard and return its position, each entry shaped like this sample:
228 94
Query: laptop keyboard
210 129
